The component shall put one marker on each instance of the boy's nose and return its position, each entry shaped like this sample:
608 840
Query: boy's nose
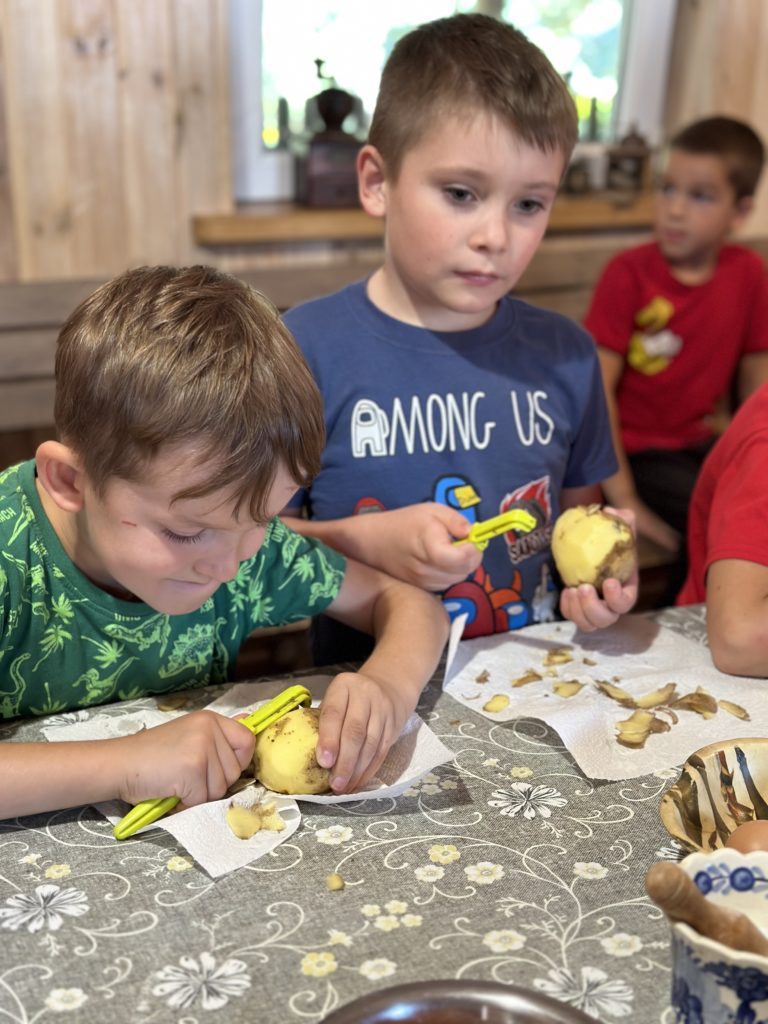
221 566
675 204
492 233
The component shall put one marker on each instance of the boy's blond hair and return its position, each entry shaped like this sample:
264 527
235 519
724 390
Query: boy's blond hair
734 142
164 356
462 65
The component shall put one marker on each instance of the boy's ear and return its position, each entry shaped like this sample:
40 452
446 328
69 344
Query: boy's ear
61 474
742 210
371 181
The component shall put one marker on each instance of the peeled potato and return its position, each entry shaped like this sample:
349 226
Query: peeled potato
284 757
590 545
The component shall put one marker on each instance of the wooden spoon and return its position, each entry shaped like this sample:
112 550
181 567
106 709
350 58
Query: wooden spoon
678 896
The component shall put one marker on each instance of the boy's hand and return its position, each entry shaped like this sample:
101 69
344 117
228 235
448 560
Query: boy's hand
415 544
584 606
196 758
360 719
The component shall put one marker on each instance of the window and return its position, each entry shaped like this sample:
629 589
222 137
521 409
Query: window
609 51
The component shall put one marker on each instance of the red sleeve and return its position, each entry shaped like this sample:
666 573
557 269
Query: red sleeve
610 318
757 328
738 519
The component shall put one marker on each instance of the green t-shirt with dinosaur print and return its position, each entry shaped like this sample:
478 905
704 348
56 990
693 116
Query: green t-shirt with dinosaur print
68 644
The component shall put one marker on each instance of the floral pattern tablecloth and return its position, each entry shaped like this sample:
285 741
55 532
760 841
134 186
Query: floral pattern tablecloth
507 865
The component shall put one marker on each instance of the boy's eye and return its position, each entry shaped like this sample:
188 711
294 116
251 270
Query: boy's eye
530 205
458 193
182 538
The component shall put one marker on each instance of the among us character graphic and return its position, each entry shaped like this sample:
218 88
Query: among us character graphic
487 610
369 428
457 492
492 609
366 505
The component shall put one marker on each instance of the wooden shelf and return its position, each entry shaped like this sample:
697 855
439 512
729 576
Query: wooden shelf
268 224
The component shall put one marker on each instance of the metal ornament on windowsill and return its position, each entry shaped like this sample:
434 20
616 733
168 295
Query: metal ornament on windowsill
325 166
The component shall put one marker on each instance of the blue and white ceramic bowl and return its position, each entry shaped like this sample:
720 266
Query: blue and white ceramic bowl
711 983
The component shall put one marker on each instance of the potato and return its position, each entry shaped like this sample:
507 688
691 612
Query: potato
284 757
590 545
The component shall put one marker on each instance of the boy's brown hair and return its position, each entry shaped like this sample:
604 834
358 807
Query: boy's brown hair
464 64
734 142
164 356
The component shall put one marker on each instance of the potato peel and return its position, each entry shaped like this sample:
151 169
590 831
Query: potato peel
635 730
615 693
245 822
699 700
558 656
567 687
657 697
734 709
531 676
498 702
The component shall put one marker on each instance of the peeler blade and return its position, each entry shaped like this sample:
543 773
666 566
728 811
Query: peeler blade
513 519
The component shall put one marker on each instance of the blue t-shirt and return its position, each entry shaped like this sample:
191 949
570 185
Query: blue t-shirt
512 411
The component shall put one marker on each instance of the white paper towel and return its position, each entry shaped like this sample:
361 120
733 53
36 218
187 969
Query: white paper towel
637 654
203 830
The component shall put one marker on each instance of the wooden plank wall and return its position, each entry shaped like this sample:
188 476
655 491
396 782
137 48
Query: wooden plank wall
114 129
719 65
115 125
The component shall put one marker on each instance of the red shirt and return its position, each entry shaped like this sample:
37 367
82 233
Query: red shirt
681 343
728 516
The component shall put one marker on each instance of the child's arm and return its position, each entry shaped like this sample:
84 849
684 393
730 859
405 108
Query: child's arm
752 373
414 544
737 616
619 489
363 713
195 757
583 605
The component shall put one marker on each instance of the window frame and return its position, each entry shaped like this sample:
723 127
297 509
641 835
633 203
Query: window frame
262 175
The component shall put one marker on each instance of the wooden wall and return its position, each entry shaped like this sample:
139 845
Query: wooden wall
720 66
114 129
115 124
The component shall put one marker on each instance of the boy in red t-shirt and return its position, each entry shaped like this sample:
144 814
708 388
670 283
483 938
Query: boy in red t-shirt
679 323
728 542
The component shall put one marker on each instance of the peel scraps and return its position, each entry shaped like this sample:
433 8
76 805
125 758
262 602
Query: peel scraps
498 702
567 687
635 730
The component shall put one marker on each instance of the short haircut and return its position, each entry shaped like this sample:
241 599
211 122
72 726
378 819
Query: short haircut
462 65
736 143
165 356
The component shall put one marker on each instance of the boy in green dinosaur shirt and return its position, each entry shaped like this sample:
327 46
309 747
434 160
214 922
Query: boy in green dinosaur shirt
142 547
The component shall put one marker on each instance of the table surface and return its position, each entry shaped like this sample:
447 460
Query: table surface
506 864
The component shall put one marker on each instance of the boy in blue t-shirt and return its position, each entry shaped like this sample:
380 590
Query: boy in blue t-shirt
142 547
446 401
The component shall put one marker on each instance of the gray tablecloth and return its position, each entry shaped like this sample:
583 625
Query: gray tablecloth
505 865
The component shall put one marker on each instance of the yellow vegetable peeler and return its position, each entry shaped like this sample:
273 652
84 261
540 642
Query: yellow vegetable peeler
148 811
513 519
